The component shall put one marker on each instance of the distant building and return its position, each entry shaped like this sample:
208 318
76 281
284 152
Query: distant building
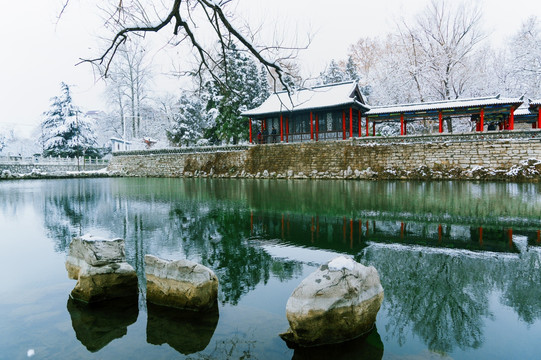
120 145
340 111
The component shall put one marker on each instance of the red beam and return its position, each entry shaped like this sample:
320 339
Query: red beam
440 117
481 236
482 120
311 126
350 122
367 126
250 122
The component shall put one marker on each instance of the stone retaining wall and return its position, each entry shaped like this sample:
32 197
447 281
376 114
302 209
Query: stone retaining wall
503 159
50 169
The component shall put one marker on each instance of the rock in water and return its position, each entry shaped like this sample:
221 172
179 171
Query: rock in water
181 284
100 268
336 303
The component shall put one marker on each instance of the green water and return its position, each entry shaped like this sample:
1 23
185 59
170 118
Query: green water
459 262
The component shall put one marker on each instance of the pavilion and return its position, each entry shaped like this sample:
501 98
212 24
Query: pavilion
530 114
320 113
340 111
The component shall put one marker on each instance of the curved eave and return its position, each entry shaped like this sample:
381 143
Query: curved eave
535 105
490 107
353 103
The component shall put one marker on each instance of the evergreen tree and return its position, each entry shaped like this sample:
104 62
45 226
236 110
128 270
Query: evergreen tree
65 131
240 86
333 74
187 123
351 70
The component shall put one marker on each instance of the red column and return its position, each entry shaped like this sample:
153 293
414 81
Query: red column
343 125
317 127
359 124
250 122
374 129
482 119
440 118
281 128
311 126
512 119
350 122
367 126
539 117
481 236
401 124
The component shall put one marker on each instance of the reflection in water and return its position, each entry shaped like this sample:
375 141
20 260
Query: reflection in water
368 347
521 287
96 325
444 298
185 331
442 249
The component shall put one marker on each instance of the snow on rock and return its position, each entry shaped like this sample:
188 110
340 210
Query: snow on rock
336 303
340 263
180 284
100 268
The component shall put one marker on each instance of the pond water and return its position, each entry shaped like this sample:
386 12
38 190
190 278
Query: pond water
459 262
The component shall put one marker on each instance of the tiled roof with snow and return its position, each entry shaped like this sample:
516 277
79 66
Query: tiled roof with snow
535 102
443 105
522 111
325 96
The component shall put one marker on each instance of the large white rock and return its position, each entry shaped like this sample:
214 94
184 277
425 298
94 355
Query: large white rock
336 303
97 251
181 284
100 268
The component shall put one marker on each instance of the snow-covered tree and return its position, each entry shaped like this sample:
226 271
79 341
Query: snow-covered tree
65 131
128 83
3 139
351 70
526 58
239 87
187 119
332 74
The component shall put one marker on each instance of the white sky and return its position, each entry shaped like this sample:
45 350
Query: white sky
38 53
